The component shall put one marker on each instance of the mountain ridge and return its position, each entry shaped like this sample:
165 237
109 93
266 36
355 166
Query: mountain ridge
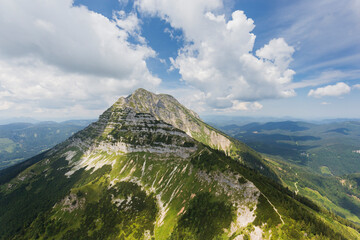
131 175
166 108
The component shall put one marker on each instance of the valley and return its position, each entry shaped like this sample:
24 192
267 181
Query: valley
20 141
315 160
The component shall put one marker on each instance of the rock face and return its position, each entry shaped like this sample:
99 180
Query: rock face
125 131
168 109
147 169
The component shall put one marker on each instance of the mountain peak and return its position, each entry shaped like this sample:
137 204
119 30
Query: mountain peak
162 106
141 91
140 95
166 108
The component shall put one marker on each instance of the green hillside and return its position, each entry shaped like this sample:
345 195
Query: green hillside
331 145
315 160
133 175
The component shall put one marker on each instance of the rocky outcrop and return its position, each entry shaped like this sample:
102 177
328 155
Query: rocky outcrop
166 108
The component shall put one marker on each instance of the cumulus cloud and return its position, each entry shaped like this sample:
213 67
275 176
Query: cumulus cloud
218 55
356 86
246 106
53 53
196 100
278 52
330 90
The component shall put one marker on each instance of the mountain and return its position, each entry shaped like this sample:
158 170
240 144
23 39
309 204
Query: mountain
225 120
315 160
19 141
149 168
166 108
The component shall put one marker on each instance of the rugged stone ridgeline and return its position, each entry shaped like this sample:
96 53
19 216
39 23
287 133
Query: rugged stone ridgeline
124 131
134 130
166 108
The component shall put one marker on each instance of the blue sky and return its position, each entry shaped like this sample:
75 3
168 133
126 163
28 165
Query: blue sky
67 60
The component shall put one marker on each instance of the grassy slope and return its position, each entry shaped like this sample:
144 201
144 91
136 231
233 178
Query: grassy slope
238 150
298 218
326 191
331 145
93 186
311 156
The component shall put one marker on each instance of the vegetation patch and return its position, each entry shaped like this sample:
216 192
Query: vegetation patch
20 207
205 218
209 160
265 213
129 217
325 170
124 211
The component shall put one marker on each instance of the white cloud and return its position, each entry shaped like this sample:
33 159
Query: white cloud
327 77
278 52
196 100
53 54
356 86
217 58
330 90
190 97
323 30
246 106
5 105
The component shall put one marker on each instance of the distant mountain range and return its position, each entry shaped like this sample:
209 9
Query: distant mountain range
225 120
150 168
19 141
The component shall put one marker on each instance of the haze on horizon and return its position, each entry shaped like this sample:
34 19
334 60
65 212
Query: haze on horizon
72 59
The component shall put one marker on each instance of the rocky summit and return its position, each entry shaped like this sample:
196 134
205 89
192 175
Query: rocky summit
150 168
